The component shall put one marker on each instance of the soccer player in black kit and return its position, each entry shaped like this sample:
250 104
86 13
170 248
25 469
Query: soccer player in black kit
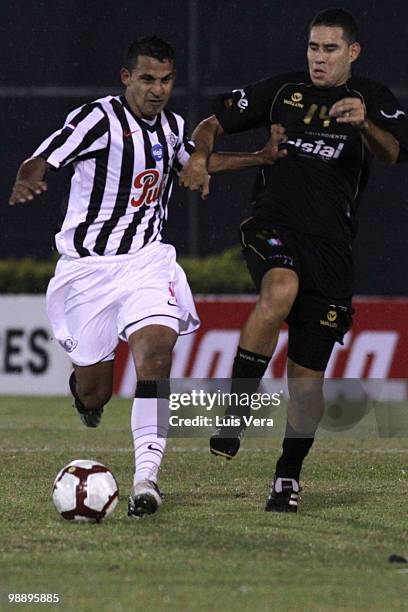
328 125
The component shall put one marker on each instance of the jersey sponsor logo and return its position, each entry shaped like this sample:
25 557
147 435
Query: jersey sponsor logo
157 152
397 114
327 135
242 102
318 147
152 188
296 97
294 102
331 319
331 315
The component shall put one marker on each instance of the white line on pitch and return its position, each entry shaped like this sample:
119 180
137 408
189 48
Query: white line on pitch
203 449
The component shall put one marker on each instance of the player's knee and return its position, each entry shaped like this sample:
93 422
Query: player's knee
306 412
275 306
153 362
277 296
307 403
305 392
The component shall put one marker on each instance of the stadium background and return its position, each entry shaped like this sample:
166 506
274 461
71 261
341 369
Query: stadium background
57 55
211 547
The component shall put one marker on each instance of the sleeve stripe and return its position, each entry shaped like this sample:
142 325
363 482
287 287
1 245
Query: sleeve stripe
90 138
190 148
62 135
184 149
54 142
62 146
177 166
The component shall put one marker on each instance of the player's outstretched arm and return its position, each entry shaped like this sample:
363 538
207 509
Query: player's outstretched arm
194 175
382 144
29 180
219 162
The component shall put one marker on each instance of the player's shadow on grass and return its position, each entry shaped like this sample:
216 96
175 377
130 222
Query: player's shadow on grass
315 500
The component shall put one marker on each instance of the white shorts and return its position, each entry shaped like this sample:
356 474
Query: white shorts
92 302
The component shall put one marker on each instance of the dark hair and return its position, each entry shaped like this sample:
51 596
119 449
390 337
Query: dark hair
152 46
335 17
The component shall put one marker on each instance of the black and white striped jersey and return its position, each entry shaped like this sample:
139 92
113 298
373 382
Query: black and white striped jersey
123 170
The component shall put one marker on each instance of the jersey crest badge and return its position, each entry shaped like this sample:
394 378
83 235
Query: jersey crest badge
69 344
171 139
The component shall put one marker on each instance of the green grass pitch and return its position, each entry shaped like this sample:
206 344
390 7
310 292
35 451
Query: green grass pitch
211 547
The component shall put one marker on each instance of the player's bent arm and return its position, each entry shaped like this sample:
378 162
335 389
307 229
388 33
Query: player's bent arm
220 162
205 136
230 162
29 180
382 144
194 175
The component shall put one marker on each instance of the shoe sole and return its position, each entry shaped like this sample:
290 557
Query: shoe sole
93 422
290 506
219 453
141 505
282 509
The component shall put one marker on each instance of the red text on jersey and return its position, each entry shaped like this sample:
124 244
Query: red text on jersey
152 188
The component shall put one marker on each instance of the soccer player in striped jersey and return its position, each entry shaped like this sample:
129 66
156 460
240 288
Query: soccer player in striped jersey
116 279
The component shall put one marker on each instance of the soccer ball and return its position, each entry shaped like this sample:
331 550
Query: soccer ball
85 491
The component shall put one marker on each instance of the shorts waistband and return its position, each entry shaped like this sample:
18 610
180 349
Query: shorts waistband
98 260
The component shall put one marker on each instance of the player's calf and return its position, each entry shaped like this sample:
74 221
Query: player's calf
91 417
247 372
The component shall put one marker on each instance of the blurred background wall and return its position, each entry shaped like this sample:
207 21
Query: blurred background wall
59 54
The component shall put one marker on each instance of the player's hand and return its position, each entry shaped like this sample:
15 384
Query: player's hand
26 189
271 151
194 175
349 110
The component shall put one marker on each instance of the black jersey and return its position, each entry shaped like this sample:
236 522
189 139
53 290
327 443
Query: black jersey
316 188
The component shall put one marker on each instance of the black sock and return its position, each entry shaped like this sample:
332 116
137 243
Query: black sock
247 373
295 449
153 388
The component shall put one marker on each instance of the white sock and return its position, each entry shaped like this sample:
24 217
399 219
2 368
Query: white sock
150 424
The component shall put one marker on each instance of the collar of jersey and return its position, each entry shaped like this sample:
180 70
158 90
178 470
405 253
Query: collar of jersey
139 121
336 89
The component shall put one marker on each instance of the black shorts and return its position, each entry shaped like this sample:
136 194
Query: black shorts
322 311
